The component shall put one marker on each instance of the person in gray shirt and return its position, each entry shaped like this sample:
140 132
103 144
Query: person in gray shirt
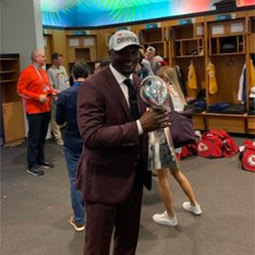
60 81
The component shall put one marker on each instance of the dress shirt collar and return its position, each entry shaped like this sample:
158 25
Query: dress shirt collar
118 76
56 67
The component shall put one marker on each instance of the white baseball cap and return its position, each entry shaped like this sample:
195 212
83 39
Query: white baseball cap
151 49
123 38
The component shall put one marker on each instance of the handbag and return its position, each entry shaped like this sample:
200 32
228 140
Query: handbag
181 128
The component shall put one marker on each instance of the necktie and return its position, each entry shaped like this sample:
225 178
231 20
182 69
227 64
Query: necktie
132 98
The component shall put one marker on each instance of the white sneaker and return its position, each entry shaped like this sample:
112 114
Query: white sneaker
164 219
195 209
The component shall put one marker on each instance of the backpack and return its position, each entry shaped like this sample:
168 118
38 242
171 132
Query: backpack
247 156
216 143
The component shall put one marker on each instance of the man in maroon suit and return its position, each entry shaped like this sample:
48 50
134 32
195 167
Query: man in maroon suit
113 168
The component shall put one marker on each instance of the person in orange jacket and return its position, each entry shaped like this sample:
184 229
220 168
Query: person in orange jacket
34 87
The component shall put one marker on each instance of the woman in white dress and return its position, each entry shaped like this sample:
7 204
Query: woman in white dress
160 158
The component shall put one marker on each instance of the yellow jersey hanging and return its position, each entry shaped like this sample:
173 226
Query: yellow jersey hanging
192 79
252 73
213 88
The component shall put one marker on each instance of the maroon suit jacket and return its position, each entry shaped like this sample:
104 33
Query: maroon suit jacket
114 154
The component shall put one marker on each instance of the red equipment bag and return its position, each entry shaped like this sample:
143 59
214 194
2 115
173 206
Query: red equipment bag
188 150
247 156
216 143
209 146
230 147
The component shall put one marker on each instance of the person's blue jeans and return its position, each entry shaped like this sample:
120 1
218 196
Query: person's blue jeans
76 196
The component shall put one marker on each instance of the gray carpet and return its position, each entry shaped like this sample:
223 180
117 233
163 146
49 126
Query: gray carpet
35 210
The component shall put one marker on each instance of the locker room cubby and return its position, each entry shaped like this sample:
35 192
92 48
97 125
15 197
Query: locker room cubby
153 37
11 103
188 40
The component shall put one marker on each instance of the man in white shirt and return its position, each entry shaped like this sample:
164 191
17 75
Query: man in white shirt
155 61
60 81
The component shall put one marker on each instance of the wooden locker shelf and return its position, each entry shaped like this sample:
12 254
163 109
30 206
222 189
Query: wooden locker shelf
228 54
8 81
8 71
13 122
12 106
189 47
233 123
154 37
186 44
199 121
190 56
9 58
48 47
151 35
251 124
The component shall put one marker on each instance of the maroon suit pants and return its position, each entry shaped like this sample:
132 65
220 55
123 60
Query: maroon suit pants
102 219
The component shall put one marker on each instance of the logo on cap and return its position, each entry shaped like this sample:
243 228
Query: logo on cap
121 39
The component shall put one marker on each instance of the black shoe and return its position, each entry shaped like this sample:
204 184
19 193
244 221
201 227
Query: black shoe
46 164
35 170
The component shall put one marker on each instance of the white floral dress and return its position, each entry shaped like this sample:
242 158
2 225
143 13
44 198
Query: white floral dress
160 156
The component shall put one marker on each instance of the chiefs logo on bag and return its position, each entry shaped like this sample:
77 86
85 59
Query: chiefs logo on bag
209 146
247 156
216 143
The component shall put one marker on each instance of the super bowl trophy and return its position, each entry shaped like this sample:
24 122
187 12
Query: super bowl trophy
154 93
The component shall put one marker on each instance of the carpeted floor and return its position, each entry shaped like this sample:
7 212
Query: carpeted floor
35 210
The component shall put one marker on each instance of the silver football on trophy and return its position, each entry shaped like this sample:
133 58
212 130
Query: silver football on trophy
154 91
